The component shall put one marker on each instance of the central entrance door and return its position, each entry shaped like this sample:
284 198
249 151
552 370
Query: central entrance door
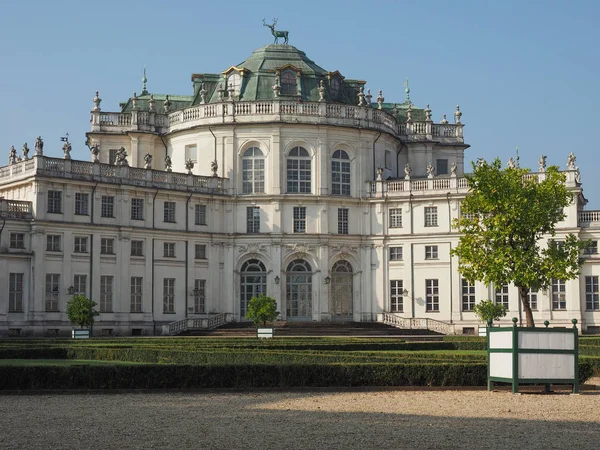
253 281
298 290
341 293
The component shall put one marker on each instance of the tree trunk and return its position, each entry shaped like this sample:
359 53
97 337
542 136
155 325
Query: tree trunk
526 307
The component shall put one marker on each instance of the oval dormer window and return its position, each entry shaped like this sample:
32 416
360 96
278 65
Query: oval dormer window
288 83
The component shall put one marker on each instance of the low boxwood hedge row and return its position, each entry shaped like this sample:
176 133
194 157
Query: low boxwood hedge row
241 376
246 376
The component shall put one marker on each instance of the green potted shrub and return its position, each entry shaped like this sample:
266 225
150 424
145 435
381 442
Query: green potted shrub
80 311
488 311
262 309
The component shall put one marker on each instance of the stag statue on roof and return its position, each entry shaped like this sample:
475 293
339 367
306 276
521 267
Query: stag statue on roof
277 34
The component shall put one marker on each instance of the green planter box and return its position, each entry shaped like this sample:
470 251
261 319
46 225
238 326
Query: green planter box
80 334
521 355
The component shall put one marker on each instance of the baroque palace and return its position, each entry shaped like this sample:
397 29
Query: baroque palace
274 176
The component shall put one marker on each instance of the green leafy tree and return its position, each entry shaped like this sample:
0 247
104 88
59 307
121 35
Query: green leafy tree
488 310
262 309
504 218
80 310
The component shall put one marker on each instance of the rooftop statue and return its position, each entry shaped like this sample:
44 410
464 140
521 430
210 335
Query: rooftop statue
39 146
542 163
571 161
147 161
168 163
25 151
12 155
277 34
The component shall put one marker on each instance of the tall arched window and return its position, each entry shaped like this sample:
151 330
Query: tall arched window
253 171
253 281
298 290
340 173
289 84
298 171
341 294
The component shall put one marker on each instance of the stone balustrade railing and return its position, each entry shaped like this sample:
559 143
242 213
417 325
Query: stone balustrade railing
396 320
15 209
406 187
106 173
275 111
193 323
588 219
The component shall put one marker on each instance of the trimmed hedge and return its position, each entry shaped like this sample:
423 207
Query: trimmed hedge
243 376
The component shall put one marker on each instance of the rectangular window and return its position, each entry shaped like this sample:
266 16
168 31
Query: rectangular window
199 296
136 295
190 153
502 295
55 202
53 243
200 251
396 218
431 218
52 294
468 295
169 212
107 246
396 295
107 206
80 284
431 252
532 297
591 248
591 293
106 293
81 204
15 292
299 219
441 167
200 214
395 253
252 219
559 294
388 159
169 249
342 220
112 156
432 295
17 240
137 209
80 244
169 295
137 248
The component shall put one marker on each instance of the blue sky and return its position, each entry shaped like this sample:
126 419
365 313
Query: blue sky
524 73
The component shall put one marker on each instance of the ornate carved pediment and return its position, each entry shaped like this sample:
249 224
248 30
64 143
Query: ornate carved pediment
252 248
300 249
344 250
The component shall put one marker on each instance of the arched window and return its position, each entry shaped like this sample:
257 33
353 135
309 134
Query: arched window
341 294
253 281
340 173
298 171
298 289
253 171
234 80
288 83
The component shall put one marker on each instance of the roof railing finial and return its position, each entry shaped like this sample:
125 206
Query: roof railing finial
407 90
144 81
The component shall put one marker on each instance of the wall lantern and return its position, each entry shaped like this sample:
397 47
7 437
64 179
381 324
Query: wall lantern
327 280
70 290
405 293
277 279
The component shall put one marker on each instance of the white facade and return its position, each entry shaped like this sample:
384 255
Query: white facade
308 201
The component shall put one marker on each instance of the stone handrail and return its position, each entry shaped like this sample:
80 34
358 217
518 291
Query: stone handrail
106 173
193 323
15 209
275 110
587 218
398 321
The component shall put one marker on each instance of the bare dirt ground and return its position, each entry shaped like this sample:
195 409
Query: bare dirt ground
301 419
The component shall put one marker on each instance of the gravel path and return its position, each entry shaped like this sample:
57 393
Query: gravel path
358 419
